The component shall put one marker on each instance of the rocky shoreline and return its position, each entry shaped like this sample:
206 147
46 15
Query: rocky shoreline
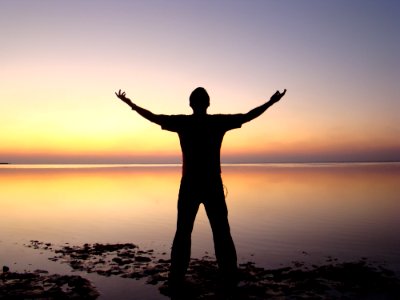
41 285
333 280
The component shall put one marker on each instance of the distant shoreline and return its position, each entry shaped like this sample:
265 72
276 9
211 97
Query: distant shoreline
53 166
227 163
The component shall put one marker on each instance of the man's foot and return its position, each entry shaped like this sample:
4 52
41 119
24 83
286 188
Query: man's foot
227 287
176 287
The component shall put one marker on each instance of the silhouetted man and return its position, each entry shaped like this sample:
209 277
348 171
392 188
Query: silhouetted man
200 136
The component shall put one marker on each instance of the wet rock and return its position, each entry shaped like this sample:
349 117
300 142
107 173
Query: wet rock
334 280
36 285
353 280
122 262
41 271
126 254
142 259
125 260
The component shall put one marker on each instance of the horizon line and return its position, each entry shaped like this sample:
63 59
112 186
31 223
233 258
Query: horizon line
222 163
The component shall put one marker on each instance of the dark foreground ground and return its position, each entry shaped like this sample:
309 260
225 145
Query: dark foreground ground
333 280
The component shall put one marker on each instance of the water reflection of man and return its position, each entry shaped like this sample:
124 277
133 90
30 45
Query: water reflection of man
201 136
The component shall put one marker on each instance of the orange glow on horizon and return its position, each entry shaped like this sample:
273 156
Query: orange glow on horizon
59 76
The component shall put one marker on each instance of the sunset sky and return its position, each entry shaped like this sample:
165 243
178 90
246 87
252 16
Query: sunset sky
62 61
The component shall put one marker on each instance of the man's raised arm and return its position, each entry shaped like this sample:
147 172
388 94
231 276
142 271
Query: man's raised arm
256 112
141 111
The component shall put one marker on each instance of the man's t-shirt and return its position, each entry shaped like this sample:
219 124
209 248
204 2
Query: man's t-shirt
201 138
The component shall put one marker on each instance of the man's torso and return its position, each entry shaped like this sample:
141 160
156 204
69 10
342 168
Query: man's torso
201 138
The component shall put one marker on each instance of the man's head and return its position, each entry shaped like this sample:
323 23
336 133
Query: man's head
199 100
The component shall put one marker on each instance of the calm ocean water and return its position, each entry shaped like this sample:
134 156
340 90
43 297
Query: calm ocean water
278 213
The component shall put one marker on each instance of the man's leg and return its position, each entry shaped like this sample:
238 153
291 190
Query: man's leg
180 254
225 251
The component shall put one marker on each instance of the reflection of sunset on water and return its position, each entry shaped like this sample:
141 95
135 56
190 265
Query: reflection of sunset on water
303 200
274 210
89 199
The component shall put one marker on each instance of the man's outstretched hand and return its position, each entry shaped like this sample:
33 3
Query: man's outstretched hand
277 96
122 95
